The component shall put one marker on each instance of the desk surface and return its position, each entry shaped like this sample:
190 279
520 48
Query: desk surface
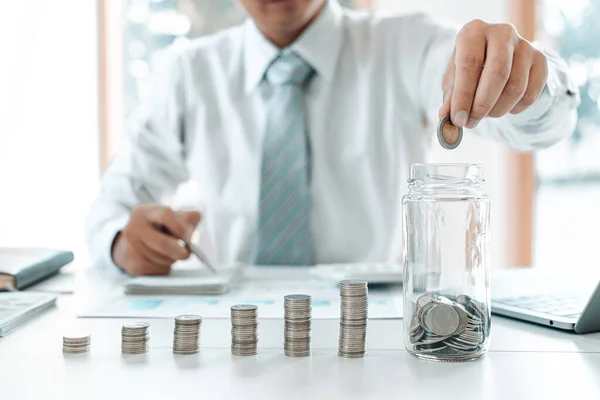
525 362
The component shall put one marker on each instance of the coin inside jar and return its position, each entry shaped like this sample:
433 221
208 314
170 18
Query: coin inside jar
449 135
442 320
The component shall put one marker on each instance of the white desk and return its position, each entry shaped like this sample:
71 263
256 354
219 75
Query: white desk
525 362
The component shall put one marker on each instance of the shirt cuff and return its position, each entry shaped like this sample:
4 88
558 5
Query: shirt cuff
106 240
561 91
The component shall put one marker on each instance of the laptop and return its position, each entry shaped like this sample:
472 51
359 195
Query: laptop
553 300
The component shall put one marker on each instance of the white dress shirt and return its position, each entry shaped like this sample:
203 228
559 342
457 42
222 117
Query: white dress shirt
372 111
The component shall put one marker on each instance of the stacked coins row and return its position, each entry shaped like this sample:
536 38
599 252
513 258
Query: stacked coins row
76 344
135 338
186 334
353 318
244 330
297 323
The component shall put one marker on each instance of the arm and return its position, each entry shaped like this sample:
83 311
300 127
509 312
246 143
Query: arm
152 154
523 97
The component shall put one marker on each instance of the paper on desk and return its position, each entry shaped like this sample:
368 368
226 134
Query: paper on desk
194 281
268 296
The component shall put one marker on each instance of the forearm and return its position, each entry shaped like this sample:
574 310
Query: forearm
144 160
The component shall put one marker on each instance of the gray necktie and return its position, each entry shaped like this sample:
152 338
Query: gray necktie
284 236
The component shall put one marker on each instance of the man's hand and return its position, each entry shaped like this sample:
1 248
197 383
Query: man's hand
149 245
493 71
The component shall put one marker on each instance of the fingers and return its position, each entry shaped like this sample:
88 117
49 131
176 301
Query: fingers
191 218
164 246
156 257
495 75
150 243
147 264
448 86
538 76
516 86
165 217
135 259
469 60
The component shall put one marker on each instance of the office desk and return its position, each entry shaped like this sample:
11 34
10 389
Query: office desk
525 362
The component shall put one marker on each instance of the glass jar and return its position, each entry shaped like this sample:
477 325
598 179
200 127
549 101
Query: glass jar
446 263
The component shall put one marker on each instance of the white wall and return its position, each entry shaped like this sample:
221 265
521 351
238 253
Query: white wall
48 121
472 149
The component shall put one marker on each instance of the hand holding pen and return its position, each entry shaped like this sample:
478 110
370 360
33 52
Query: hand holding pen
152 239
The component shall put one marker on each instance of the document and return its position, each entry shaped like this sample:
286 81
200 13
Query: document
267 295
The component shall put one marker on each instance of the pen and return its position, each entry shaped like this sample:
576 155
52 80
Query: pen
147 197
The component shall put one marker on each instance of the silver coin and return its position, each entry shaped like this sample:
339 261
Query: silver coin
423 312
436 349
415 326
297 297
463 319
417 336
244 307
136 325
424 299
463 299
186 352
458 345
188 319
76 351
442 320
449 135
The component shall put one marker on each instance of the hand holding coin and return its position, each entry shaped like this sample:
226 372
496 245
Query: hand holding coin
492 72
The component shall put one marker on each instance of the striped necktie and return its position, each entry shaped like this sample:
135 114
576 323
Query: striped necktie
284 236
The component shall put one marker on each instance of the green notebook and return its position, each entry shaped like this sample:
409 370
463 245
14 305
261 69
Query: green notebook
22 267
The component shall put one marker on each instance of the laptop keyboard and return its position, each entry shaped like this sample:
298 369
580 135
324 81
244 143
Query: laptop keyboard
569 305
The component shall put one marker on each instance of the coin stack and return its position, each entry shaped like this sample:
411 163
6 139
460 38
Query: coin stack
244 330
353 318
76 344
447 325
134 338
297 321
186 335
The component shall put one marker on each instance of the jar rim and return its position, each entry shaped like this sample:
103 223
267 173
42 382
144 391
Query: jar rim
444 177
478 165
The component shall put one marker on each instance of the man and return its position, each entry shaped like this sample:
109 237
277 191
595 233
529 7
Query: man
299 127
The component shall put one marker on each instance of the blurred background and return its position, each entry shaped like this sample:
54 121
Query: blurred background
71 71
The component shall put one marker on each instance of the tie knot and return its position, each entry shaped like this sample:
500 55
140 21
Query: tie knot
289 69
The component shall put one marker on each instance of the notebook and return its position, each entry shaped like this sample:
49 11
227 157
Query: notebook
17 308
22 267
186 281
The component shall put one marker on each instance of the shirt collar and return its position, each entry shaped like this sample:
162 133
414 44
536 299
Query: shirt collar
318 45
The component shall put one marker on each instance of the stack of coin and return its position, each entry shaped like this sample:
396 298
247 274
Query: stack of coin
449 325
134 338
244 330
76 344
297 321
186 335
353 318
